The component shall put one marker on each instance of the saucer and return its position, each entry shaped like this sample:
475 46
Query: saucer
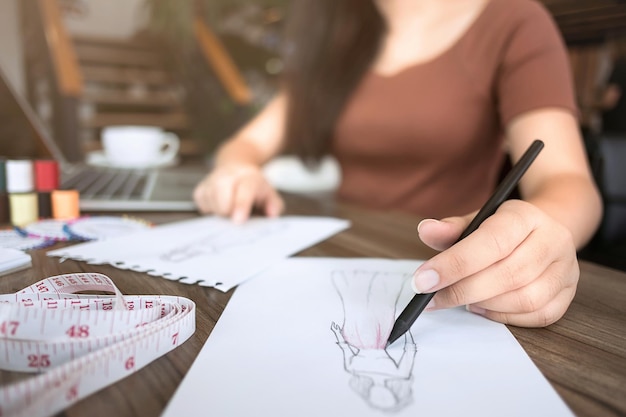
98 158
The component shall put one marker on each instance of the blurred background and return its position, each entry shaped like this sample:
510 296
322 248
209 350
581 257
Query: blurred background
197 68
201 68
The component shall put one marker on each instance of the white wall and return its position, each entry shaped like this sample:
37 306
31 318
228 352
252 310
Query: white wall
108 18
11 58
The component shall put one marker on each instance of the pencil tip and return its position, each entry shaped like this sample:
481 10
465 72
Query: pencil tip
392 338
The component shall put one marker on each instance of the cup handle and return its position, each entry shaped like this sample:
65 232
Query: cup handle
171 142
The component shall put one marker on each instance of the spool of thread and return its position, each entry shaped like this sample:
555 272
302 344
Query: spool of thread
44 203
65 204
19 176
4 208
3 175
23 208
46 175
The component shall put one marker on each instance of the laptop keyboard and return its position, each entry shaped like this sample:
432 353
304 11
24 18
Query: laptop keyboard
108 183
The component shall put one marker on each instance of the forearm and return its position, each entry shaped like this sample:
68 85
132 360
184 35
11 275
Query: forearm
259 140
236 183
559 182
241 152
572 200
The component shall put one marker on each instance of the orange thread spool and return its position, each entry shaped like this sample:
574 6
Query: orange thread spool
65 204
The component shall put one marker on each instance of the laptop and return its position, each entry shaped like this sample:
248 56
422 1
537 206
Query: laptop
112 189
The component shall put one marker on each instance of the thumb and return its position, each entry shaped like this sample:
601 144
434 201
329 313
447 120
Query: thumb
441 234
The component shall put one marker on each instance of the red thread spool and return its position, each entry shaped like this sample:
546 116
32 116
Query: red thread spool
46 175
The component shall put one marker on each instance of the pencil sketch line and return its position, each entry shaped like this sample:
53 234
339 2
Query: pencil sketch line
217 243
369 301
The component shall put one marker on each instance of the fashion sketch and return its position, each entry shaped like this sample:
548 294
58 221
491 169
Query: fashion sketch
381 376
218 242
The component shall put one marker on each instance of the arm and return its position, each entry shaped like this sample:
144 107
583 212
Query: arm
236 183
519 267
525 272
560 182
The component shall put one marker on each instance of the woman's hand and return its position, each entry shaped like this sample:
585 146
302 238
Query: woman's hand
519 267
233 190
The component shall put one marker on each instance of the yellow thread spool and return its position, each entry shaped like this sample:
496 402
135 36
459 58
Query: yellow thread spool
24 208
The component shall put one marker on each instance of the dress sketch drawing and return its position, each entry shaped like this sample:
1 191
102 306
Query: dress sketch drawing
221 240
382 377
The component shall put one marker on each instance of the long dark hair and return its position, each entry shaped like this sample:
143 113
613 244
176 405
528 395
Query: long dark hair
331 44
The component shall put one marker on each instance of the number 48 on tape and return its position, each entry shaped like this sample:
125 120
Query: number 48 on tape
82 342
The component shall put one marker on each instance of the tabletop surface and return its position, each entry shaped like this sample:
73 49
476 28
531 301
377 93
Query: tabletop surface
583 355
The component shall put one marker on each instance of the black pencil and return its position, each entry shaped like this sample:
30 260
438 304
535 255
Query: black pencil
418 303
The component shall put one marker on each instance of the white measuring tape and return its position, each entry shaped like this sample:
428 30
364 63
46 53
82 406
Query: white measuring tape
81 343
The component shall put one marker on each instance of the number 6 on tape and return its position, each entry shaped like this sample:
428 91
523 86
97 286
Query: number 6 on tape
82 342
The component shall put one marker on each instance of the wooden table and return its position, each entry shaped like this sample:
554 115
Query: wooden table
583 355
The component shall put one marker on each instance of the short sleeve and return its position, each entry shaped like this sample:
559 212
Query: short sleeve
535 71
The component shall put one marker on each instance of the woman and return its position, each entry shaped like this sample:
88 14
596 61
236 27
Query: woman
420 101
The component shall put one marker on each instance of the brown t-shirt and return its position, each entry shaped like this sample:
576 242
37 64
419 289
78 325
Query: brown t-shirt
428 140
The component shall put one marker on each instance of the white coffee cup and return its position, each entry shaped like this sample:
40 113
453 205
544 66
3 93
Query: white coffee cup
139 146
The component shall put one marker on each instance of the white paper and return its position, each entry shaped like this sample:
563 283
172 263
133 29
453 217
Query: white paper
275 352
12 260
209 251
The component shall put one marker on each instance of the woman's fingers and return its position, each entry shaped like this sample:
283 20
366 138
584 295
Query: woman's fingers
494 240
202 196
530 262
274 204
255 191
441 234
536 288
518 267
222 192
244 195
234 191
505 276
559 276
546 315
